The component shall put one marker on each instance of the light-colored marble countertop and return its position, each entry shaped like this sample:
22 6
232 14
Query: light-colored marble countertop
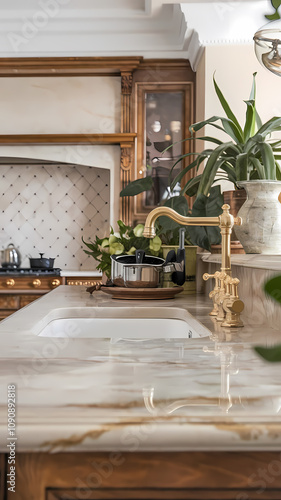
258 261
73 394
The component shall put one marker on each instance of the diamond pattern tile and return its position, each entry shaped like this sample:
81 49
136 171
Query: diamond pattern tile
47 208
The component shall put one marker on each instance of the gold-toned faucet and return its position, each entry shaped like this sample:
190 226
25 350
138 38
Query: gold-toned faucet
224 311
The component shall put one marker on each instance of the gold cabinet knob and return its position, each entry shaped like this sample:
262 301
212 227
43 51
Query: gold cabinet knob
10 282
55 282
36 283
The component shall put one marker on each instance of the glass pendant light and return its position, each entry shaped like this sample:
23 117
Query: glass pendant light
268 46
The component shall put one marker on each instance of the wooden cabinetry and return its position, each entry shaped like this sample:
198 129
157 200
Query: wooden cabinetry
18 291
169 476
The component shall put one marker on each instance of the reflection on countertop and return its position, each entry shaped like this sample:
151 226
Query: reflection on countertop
77 394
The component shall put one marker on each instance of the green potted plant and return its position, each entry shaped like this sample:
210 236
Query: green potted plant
249 159
126 241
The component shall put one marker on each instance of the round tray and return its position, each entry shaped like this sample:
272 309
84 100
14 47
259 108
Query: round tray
142 293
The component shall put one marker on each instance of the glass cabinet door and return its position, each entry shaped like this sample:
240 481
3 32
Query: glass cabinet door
164 114
163 132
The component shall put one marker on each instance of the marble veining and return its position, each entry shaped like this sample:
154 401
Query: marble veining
210 393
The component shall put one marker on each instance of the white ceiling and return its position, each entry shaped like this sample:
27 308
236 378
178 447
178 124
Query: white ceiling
151 28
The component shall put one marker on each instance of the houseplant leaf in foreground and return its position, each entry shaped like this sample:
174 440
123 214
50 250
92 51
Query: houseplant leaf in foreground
272 354
272 288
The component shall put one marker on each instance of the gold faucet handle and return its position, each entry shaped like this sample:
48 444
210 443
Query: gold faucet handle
227 281
237 306
234 282
238 221
207 276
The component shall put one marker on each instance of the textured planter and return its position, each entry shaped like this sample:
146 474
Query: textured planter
190 268
261 215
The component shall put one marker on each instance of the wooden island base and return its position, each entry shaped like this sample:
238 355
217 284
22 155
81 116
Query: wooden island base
156 475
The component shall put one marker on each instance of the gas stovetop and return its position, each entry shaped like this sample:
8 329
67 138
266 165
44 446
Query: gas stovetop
27 271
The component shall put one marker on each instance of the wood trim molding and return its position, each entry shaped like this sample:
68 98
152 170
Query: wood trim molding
67 66
126 176
95 139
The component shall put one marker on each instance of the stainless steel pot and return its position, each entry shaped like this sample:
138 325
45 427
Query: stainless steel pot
10 257
41 263
138 271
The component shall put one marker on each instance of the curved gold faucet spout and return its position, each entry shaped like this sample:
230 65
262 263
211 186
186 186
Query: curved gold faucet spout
149 230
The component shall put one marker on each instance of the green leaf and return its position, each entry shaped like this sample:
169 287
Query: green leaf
258 167
272 354
258 120
231 174
231 116
138 186
275 4
231 130
268 161
272 125
273 288
198 125
213 164
189 167
278 171
181 174
191 186
196 163
242 167
250 123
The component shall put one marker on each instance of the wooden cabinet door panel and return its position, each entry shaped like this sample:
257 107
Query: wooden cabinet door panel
9 302
26 299
147 476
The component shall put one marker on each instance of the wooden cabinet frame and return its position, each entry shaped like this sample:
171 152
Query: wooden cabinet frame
131 70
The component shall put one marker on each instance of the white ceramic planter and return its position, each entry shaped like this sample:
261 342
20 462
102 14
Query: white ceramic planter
261 215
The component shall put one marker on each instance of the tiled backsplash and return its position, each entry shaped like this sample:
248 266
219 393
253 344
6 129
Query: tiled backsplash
48 208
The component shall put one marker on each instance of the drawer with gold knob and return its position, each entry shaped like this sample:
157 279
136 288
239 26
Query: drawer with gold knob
55 282
10 282
36 283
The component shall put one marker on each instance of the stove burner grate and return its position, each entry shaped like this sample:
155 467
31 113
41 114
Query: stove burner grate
28 271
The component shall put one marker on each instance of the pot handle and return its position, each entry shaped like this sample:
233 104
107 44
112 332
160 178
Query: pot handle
139 256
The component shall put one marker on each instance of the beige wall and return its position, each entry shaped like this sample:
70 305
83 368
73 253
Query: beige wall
234 66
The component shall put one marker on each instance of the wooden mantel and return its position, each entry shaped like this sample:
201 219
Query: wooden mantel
94 139
67 66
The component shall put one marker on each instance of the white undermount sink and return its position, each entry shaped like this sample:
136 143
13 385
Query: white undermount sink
139 328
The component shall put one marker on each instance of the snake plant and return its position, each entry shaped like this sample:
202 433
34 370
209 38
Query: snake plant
249 152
